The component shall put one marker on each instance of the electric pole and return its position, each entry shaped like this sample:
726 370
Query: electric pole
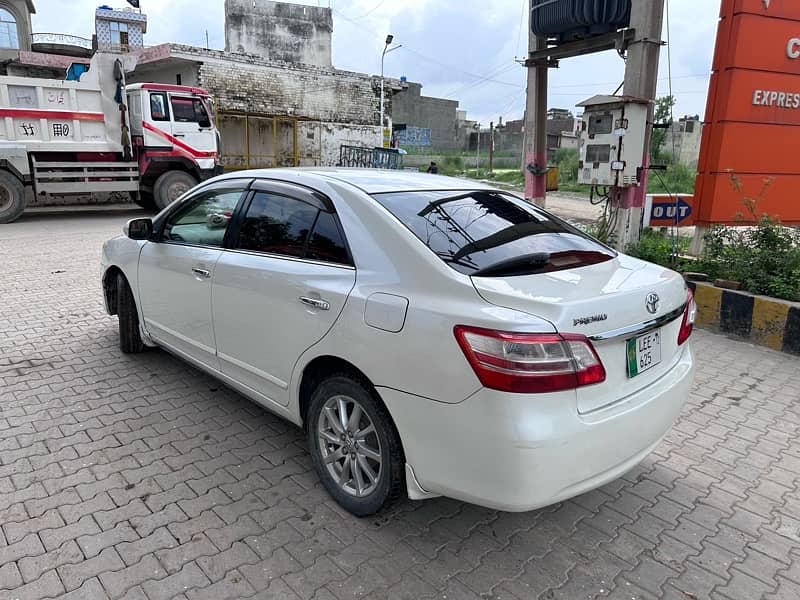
641 80
535 146
491 147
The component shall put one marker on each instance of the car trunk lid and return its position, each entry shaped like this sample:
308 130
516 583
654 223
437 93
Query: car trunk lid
611 303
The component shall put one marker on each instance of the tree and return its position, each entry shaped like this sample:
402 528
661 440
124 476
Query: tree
663 116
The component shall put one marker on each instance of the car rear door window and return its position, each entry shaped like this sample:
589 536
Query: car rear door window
278 224
326 243
486 233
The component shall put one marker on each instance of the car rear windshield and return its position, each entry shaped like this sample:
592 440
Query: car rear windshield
486 233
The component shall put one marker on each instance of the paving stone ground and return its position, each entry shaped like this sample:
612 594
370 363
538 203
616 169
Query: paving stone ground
138 477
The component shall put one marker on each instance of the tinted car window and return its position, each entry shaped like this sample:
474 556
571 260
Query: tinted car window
488 231
326 241
203 220
277 224
283 225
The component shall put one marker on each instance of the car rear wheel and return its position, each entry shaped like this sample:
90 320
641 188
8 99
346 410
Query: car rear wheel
130 339
354 445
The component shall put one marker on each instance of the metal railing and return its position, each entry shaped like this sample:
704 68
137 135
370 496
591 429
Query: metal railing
62 39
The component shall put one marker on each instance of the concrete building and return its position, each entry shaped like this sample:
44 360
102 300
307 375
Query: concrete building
683 139
119 30
561 133
15 27
277 31
273 113
422 121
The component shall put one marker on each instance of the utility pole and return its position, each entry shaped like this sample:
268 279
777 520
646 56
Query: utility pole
491 146
641 80
535 146
478 153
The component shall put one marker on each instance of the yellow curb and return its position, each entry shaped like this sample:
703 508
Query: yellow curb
769 322
709 301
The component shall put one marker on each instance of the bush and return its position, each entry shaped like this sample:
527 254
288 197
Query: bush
452 165
764 258
567 161
677 179
660 248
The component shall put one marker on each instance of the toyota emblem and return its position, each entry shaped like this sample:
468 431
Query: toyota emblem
652 303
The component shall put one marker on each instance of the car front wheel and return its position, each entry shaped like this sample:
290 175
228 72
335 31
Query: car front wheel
130 339
354 445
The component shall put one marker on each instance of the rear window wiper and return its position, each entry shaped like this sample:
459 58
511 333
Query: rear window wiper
533 261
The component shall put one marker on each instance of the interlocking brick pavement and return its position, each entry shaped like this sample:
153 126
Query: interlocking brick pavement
139 477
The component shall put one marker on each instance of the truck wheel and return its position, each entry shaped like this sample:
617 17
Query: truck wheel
12 197
170 186
144 199
130 340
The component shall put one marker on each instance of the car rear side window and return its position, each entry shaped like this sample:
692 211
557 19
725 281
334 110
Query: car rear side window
491 233
278 224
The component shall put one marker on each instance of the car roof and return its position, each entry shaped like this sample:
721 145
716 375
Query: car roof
371 181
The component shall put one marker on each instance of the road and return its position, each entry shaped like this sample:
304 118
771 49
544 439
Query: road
138 477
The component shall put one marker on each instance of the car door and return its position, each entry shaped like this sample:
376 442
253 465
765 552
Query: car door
281 286
191 123
176 270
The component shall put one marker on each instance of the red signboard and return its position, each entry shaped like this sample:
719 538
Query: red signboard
753 114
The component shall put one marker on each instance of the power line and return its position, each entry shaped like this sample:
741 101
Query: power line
421 55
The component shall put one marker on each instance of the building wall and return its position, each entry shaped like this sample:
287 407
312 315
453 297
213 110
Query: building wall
279 31
687 135
411 108
21 10
249 84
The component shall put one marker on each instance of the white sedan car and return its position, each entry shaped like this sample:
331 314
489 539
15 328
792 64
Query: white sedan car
433 336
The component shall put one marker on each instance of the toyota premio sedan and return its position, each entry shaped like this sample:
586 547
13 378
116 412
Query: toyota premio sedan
432 336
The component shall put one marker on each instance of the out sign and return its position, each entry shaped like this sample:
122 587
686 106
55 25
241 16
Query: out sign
664 210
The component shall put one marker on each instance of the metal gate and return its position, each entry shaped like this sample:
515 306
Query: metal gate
257 141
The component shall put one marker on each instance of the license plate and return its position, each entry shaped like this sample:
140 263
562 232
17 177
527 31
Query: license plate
644 352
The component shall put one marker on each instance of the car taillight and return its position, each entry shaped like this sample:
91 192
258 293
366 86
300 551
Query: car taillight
530 362
687 324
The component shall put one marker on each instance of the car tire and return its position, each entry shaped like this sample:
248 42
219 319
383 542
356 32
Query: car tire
12 197
170 186
130 338
364 474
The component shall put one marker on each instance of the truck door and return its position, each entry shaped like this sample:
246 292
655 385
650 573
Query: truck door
158 125
191 124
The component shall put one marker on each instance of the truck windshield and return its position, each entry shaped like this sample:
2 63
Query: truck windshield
490 234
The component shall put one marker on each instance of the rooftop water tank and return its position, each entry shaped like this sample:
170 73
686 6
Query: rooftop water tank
568 20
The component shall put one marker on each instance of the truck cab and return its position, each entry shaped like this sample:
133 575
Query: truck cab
172 125
97 134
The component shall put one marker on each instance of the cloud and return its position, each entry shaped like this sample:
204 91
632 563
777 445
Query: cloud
464 50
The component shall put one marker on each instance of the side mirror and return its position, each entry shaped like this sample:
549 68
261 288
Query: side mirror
204 124
139 229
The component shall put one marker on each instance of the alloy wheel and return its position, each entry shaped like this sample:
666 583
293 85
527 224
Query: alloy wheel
351 450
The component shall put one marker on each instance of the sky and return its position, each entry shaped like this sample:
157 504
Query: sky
464 50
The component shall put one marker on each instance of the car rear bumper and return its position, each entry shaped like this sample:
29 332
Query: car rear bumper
518 452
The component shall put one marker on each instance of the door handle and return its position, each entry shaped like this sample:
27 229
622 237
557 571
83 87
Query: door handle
180 135
205 274
315 303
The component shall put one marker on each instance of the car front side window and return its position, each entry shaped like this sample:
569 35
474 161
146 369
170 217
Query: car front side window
204 219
